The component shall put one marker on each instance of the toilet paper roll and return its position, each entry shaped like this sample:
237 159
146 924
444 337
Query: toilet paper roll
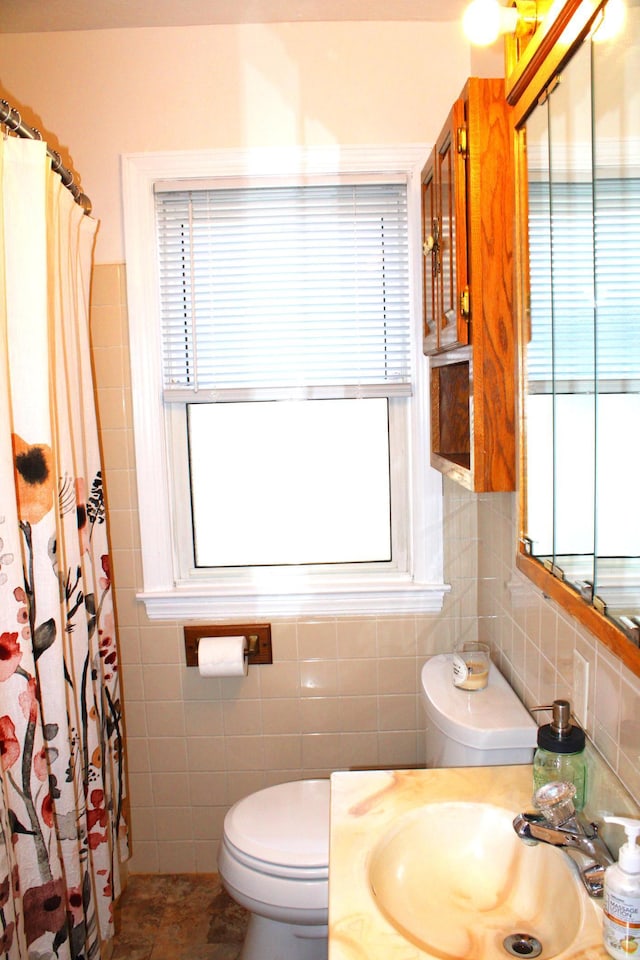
222 657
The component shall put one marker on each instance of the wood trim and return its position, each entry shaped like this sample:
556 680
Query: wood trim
457 472
584 613
490 199
566 24
460 125
522 314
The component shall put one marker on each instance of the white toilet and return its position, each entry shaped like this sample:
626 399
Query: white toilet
274 853
274 861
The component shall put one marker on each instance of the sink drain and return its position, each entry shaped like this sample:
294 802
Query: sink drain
522 945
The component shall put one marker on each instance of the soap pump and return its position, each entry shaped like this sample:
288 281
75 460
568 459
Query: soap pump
621 906
560 752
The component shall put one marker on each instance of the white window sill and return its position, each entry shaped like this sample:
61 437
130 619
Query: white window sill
393 599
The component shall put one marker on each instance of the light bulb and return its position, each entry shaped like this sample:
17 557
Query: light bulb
485 20
481 22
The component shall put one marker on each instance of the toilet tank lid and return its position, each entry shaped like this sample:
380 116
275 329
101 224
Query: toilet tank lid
286 824
493 718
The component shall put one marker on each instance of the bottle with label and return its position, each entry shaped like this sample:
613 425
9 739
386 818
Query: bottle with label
621 904
560 752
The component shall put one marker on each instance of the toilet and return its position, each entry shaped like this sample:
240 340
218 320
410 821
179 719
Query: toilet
274 861
274 853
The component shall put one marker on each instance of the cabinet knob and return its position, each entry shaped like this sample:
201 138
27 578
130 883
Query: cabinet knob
464 303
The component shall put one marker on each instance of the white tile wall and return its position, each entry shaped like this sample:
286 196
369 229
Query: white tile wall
340 693
535 640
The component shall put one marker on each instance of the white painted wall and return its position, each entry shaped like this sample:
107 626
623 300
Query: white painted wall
98 94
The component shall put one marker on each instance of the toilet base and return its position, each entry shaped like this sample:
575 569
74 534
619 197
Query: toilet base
273 940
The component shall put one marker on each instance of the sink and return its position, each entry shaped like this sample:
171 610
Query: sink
455 880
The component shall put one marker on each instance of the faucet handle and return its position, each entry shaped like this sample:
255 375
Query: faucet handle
555 801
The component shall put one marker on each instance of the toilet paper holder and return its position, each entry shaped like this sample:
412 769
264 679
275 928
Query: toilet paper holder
258 639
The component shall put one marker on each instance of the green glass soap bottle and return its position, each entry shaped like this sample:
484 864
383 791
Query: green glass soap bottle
560 752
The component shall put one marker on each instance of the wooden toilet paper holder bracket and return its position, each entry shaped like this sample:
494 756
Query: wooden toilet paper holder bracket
258 636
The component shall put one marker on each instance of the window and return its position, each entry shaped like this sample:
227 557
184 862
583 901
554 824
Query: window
311 484
279 392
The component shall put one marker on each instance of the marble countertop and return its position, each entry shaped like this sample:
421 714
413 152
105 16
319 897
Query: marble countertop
365 804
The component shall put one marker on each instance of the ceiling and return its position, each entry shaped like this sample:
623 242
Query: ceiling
43 16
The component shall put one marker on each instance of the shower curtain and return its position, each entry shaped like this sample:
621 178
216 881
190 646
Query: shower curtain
62 828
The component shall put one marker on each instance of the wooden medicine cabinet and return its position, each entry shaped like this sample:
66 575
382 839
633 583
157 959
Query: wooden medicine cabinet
469 330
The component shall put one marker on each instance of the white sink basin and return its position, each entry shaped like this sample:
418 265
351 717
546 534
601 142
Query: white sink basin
455 880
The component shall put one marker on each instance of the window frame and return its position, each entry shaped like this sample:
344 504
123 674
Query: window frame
421 588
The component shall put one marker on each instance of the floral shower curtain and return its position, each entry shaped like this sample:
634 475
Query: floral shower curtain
62 829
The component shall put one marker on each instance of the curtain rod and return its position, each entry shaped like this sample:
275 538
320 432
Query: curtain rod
11 119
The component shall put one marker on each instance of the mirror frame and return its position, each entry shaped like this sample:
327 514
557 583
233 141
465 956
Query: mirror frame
528 74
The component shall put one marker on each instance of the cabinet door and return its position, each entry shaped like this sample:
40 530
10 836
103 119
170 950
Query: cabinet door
451 177
444 237
431 255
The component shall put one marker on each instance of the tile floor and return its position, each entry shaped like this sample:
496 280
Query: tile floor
178 917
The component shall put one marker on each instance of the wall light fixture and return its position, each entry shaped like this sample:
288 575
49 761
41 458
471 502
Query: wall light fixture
484 21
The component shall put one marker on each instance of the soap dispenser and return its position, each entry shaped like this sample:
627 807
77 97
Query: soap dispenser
621 905
560 752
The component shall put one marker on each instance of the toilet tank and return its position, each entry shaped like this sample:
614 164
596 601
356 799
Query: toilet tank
473 728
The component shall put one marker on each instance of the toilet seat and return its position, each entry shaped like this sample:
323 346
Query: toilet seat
285 871
282 831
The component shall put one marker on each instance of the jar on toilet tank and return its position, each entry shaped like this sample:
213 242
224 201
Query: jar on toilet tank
471 663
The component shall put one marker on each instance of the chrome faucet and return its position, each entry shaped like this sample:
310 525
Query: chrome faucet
558 824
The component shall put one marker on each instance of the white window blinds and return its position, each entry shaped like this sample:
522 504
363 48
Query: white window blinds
284 290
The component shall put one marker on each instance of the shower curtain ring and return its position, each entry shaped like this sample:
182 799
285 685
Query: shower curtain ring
9 115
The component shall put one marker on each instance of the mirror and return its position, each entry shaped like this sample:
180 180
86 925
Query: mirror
581 337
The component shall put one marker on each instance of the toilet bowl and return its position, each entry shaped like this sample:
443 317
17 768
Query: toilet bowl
274 861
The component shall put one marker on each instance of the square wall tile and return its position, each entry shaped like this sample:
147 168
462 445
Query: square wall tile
357 678
144 858
175 856
357 638
318 640
397 676
283 752
281 716
318 678
397 638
